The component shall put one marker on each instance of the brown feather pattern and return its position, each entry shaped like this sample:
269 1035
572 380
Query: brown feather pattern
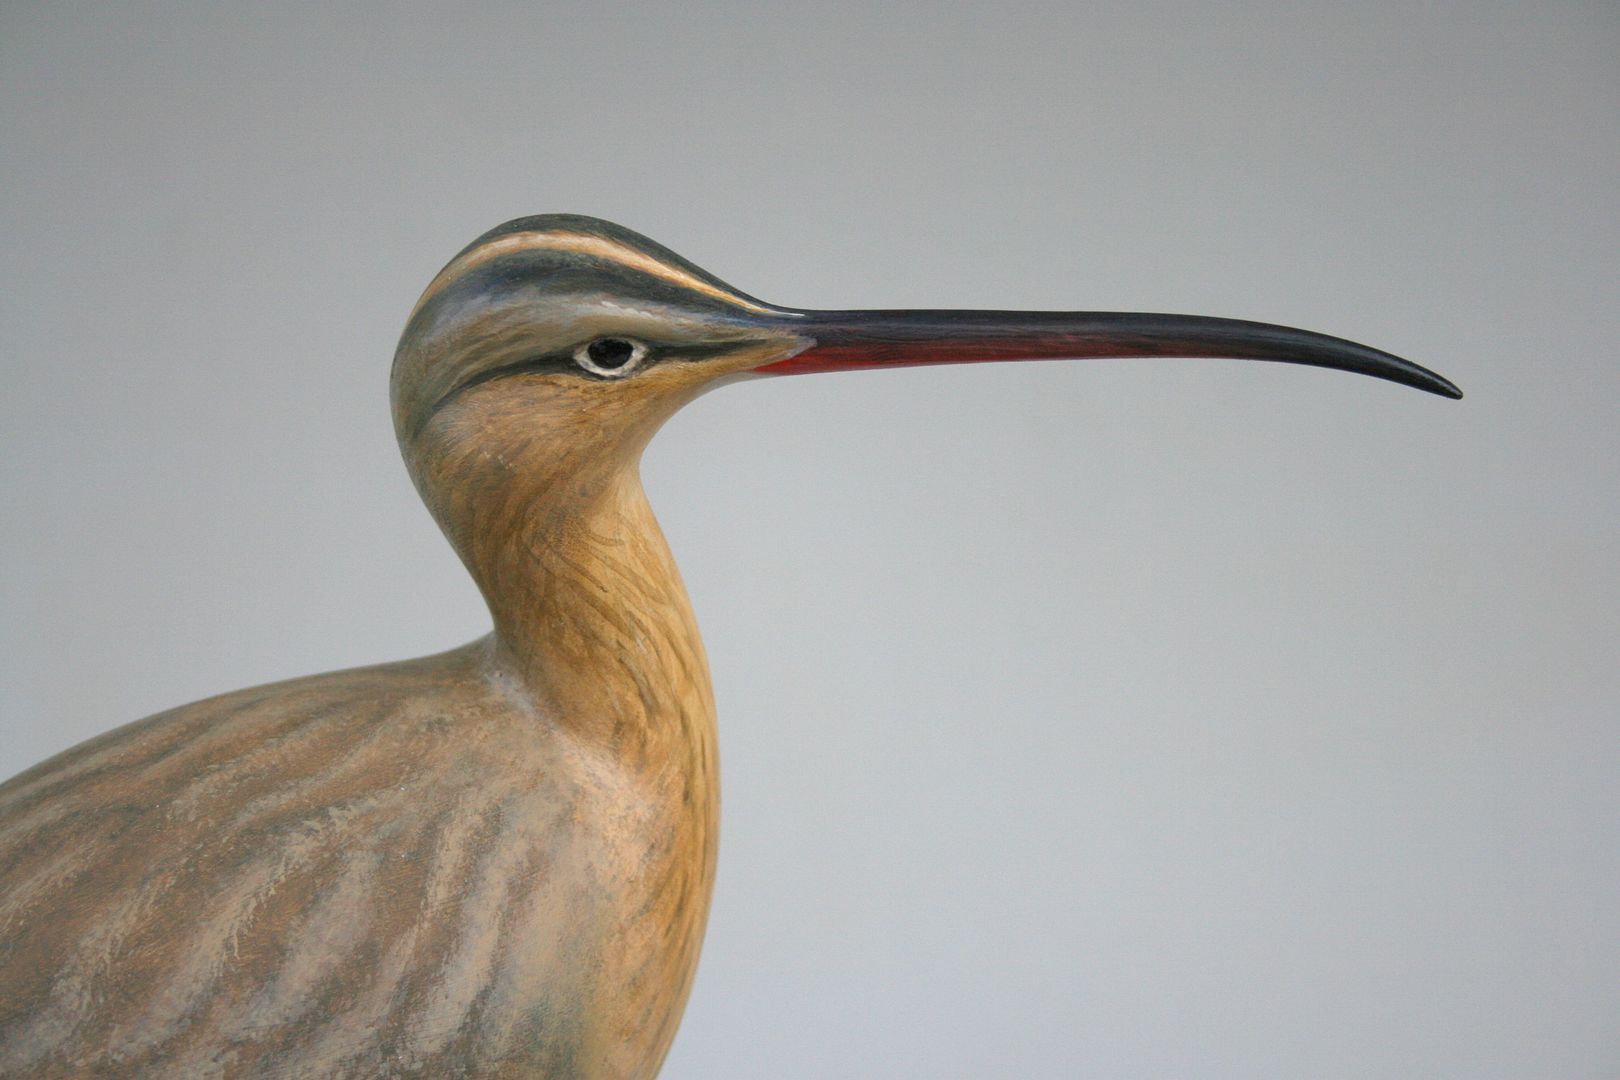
384 913
494 862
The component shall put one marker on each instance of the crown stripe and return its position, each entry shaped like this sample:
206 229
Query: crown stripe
580 244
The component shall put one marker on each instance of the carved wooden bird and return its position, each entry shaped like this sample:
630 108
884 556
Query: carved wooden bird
494 862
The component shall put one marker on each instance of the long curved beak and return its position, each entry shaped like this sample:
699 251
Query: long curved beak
864 339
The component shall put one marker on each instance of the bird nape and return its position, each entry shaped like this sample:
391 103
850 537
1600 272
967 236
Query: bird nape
496 861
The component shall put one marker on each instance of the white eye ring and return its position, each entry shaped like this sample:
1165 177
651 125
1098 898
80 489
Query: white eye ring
610 357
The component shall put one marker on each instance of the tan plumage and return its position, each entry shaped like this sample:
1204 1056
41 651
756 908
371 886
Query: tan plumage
495 862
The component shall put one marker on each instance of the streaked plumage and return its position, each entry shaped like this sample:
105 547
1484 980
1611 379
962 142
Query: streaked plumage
495 862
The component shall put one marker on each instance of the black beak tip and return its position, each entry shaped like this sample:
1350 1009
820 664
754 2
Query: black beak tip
1439 384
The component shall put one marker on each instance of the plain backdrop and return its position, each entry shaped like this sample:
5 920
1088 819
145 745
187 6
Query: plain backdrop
1110 719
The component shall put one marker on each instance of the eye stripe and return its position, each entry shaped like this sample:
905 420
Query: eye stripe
563 363
554 364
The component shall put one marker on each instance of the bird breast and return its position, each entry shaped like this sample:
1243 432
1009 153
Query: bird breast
405 870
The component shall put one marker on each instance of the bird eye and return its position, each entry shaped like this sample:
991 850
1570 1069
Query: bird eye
610 357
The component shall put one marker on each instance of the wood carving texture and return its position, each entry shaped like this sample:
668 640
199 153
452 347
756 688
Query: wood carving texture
494 862
452 878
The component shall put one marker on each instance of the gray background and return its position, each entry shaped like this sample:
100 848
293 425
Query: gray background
1118 719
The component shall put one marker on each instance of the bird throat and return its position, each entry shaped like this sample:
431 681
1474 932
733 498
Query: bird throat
592 620
592 615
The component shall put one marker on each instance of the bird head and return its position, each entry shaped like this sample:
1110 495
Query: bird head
553 347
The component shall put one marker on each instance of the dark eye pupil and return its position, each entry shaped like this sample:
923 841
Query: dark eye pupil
610 352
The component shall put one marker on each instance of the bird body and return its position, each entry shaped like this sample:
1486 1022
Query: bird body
395 870
497 861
